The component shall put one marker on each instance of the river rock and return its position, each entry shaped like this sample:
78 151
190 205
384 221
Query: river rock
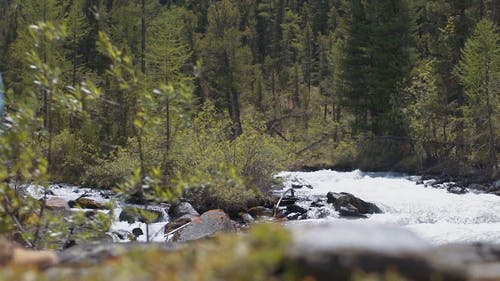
479 187
349 205
288 200
298 183
247 218
295 209
181 209
348 210
123 235
55 203
455 189
171 226
335 251
137 232
260 211
208 224
134 214
496 185
88 203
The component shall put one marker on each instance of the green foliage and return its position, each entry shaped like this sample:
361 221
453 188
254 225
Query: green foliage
223 188
71 157
256 256
24 217
110 172
479 72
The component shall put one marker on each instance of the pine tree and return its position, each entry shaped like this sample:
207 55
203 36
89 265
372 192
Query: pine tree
479 73
225 59
376 64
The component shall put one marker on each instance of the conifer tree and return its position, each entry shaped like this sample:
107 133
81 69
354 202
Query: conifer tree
479 73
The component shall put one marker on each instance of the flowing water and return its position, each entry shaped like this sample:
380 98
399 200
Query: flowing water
434 214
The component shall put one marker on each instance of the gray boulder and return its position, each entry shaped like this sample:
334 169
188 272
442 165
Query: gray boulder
181 209
335 251
260 211
134 214
207 225
349 205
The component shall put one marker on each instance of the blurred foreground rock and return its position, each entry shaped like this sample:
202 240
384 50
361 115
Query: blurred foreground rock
334 251
12 255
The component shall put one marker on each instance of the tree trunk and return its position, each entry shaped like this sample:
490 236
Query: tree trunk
143 37
491 132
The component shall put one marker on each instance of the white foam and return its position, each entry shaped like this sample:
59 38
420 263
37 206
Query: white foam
434 214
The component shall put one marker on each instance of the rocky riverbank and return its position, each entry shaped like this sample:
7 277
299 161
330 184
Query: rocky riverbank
326 251
327 226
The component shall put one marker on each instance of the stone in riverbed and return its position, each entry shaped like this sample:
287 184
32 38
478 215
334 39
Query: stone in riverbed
137 232
171 226
55 203
455 189
87 203
134 214
295 209
349 205
207 225
247 218
184 208
350 211
479 187
260 211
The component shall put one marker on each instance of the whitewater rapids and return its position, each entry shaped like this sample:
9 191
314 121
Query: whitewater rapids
434 214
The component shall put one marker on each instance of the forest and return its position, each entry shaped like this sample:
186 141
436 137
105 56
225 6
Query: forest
163 95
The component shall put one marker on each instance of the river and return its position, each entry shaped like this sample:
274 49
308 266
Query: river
434 214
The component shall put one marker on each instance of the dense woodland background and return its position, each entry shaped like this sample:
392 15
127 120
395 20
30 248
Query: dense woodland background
221 89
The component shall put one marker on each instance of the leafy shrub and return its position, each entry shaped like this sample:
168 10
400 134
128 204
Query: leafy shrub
71 157
224 189
345 154
111 172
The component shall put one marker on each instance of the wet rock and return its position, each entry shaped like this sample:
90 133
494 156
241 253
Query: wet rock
335 251
247 218
349 210
137 232
332 196
89 203
317 204
295 209
56 203
300 183
455 189
319 213
479 187
171 226
496 185
349 205
260 211
208 224
123 235
181 209
134 214
288 200
293 216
